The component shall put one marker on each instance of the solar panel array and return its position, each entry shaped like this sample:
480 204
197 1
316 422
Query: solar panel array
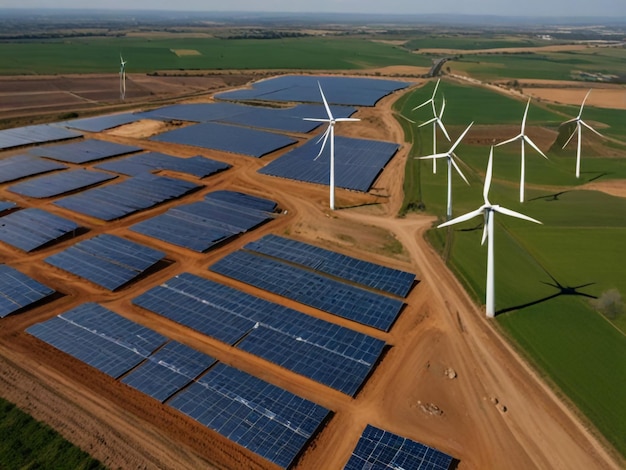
194 112
127 197
382 450
29 229
36 134
60 183
201 225
263 418
85 151
106 260
304 88
358 162
168 370
6 206
99 337
153 161
310 288
329 262
102 123
327 353
227 138
21 166
18 291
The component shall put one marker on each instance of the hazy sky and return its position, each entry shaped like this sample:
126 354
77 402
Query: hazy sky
609 8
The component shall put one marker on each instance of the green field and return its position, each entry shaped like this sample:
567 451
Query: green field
28 444
470 42
101 55
542 271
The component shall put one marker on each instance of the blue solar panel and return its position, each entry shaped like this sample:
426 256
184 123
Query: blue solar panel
198 166
21 166
168 370
265 419
60 183
18 290
99 337
30 229
194 112
127 197
37 134
236 199
85 151
346 267
227 138
304 88
102 123
382 450
312 289
6 206
358 163
201 225
106 260
330 354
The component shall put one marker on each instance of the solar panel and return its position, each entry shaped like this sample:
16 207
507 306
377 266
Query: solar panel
263 418
352 269
6 206
198 166
106 260
311 289
21 166
102 123
99 337
29 229
194 112
127 197
227 138
358 162
18 291
304 88
168 370
379 449
36 134
201 225
327 353
60 183
84 151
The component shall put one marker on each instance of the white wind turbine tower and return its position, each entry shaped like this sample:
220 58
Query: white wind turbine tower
450 155
579 127
436 121
488 210
122 78
330 131
524 139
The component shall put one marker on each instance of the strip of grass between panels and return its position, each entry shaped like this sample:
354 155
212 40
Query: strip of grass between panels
27 443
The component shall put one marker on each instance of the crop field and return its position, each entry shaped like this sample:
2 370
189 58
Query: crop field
545 275
472 42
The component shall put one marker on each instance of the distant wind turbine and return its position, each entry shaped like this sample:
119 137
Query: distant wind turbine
524 139
488 210
450 156
436 121
579 126
330 131
122 78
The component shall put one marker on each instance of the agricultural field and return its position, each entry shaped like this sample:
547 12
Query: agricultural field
558 285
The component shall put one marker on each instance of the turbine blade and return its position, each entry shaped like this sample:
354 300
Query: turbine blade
443 129
458 141
569 120
524 118
316 119
443 108
406 118
325 137
488 176
580 113
347 119
511 213
430 121
330 115
517 137
432 157
532 144
590 128
422 105
458 170
571 136
435 90
485 225
463 218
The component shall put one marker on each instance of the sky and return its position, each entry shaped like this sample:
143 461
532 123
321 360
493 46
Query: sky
563 8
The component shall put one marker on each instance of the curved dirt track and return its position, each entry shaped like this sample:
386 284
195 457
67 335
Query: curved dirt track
495 414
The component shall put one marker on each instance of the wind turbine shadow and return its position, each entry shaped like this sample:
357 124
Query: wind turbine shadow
562 290
549 197
599 174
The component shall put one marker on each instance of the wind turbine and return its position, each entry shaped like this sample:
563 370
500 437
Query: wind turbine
450 155
122 78
579 127
330 131
488 210
436 121
524 139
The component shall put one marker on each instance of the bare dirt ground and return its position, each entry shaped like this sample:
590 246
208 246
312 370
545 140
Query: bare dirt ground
496 413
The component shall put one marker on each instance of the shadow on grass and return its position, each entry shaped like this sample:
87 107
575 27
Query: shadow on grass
549 197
